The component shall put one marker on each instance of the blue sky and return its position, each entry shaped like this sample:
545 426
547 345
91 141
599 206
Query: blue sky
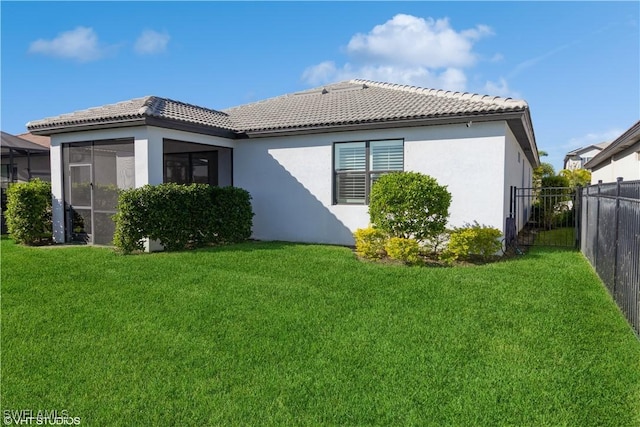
577 64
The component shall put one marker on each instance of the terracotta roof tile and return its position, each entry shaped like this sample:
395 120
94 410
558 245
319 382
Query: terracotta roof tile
44 141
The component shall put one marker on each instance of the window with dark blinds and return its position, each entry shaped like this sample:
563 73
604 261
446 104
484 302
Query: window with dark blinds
358 164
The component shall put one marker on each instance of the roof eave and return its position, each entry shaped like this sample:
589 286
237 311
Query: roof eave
375 124
54 129
624 141
142 121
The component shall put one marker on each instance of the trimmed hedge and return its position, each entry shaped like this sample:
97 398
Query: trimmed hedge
28 212
182 216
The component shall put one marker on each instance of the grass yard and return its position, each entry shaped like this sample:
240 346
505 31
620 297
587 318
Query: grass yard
286 334
556 237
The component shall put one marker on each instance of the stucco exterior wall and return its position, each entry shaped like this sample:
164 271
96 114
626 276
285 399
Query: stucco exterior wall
291 178
625 164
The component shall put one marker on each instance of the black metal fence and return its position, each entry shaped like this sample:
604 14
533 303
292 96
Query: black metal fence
610 239
546 216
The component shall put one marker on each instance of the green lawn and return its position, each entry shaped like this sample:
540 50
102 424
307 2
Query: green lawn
556 237
285 334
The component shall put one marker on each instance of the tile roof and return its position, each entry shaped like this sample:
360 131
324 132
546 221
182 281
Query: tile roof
42 140
577 151
137 109
9 141
348 102
363 101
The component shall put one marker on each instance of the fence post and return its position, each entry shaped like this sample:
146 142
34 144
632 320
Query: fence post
595 252
577 214
615 258
511 201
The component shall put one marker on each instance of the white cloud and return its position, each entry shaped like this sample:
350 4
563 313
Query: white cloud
80 44
500 88
320 73
451 78
151 42
593 138
406 49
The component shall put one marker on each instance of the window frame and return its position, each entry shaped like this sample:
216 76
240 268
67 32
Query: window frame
212 165
367 172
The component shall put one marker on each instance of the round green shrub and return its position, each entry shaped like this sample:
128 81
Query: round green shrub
409 205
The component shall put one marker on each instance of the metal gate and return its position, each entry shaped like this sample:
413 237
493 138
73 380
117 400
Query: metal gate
546 216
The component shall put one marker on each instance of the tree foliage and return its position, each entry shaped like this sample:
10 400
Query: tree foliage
577 177
409 205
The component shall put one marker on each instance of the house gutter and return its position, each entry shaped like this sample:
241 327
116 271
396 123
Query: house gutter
145 121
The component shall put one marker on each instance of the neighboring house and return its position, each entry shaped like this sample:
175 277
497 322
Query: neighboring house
23 159
576 159
621 159
307 158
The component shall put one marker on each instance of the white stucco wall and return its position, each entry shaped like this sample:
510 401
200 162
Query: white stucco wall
290 178
469 161
625 164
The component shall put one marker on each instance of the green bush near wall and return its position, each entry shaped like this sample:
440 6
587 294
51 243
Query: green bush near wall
409 205
28 212
472 239
182 216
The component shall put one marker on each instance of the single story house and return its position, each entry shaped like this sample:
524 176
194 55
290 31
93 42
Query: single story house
577 158
621 159
23 159
307 158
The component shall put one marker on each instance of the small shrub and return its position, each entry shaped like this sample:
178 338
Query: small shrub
472 239
370 243
434 244
406 250
409 205
29 211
